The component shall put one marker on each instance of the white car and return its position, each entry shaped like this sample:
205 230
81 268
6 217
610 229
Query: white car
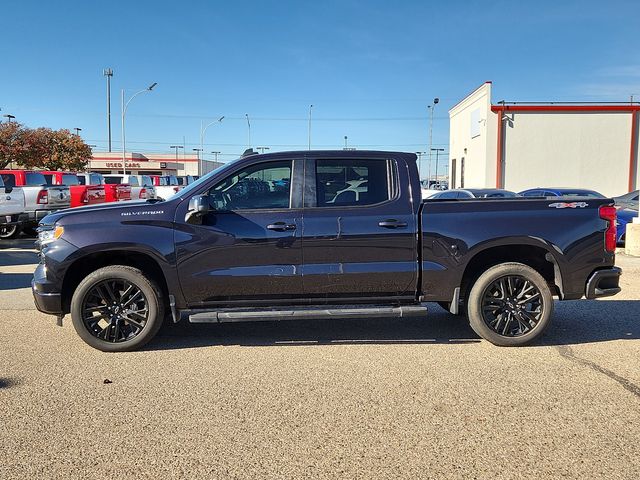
12 213
141 185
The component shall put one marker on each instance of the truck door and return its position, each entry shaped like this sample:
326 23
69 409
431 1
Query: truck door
359 234
248 247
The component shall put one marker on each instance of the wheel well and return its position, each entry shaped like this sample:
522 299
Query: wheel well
535 257
82 267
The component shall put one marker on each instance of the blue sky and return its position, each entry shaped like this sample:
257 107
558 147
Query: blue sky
370 68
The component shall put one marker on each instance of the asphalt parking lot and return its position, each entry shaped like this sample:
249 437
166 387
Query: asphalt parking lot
394 398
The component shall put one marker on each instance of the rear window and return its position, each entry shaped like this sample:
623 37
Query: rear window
70 179
112 180
9 179
34 179
49 178
352 182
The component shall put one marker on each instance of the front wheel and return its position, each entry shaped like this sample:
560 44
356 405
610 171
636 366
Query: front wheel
510 305
117 309
9 231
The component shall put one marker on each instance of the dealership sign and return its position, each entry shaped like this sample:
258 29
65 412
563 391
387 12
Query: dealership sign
119 165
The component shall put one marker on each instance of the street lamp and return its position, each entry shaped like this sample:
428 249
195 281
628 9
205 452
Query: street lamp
216 156
431 108
123 107
9 117
107 72
437 150
262 149
345 142
419 161
176 147
248 131
202 132
78 130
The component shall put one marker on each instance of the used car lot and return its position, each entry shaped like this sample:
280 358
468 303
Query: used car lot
384 398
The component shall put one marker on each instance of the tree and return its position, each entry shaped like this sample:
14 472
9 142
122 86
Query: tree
12 148
54 150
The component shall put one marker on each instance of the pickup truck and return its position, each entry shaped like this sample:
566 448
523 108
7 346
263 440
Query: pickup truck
81 194
113 192
166 185
141 185
275 236
40 199
12 214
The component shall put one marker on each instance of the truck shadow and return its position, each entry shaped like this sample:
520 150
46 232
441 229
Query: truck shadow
573 323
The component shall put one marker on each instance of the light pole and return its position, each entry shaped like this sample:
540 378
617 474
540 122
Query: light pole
78 130
202 132
431 109
107 72
437 150
310 108
248 131
345 142
9 117
262 149
419 161
216 156
123 107
176 147
197 150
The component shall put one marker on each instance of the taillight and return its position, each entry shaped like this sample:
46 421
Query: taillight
43 197
84 198
608 213
143 193
176 189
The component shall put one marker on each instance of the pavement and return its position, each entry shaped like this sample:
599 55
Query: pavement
385 398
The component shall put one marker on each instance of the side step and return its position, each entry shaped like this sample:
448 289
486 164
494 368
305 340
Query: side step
254 315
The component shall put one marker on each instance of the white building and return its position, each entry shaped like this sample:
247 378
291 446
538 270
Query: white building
522 145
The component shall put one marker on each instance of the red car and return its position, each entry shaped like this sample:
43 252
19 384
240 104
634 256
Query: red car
80 194
113 192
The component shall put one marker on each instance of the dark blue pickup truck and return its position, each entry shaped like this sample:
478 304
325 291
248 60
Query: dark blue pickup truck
319 234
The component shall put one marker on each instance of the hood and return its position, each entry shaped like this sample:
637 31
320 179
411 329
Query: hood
95 211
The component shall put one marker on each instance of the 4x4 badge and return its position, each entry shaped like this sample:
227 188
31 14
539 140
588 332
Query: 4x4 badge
568 205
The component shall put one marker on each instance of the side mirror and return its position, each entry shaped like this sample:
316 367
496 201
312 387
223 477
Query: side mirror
198 205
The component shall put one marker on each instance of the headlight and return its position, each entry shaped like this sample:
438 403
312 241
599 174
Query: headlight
47 236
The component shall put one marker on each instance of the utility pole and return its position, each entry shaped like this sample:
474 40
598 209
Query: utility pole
9 117
310 108
248 131
78 130
176 147
216 156
431 109
437 150
107 72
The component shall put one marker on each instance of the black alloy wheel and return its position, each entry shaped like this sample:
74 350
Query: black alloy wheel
115 310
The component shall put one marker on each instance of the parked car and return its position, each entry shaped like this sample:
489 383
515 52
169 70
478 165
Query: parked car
560 192
220 251
40 199
184 180
473 193
80 194
139 191
624 216
12 211
114 192
166 185
628 200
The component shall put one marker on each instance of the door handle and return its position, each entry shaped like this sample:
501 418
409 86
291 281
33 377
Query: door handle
281 226
392 223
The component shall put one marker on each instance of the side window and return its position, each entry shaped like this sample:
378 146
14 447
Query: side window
532 193
449 195
352 182
9 179
260 186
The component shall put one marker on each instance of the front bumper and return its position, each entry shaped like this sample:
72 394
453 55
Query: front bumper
45 296
603 283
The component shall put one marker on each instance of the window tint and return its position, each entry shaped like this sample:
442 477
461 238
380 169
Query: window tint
261 186
69 179
351 182
34 179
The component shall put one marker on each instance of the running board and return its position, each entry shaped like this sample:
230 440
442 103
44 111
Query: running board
253 315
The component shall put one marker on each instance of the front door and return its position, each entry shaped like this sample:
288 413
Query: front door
247 249
359 236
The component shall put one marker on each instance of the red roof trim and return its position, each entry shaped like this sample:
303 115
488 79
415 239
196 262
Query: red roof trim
565 108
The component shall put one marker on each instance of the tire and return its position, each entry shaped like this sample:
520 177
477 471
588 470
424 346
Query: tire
30 231
110 317
510 305
9 231
447 305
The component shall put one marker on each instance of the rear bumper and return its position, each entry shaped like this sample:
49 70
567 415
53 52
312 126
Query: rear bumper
17 219
603 283
47 300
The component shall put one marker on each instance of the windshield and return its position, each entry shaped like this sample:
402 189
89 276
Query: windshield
196 185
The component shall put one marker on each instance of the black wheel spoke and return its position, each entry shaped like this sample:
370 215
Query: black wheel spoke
115 310
512 306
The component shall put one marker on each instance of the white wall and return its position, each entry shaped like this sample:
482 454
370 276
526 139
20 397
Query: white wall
585 149
471 136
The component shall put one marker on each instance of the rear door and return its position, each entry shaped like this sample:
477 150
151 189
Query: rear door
359 234
247 249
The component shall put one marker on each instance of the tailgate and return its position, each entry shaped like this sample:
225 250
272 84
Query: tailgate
58 197
123 192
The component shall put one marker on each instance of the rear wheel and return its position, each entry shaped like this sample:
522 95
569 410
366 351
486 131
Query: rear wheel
510 305
117 309
9 231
